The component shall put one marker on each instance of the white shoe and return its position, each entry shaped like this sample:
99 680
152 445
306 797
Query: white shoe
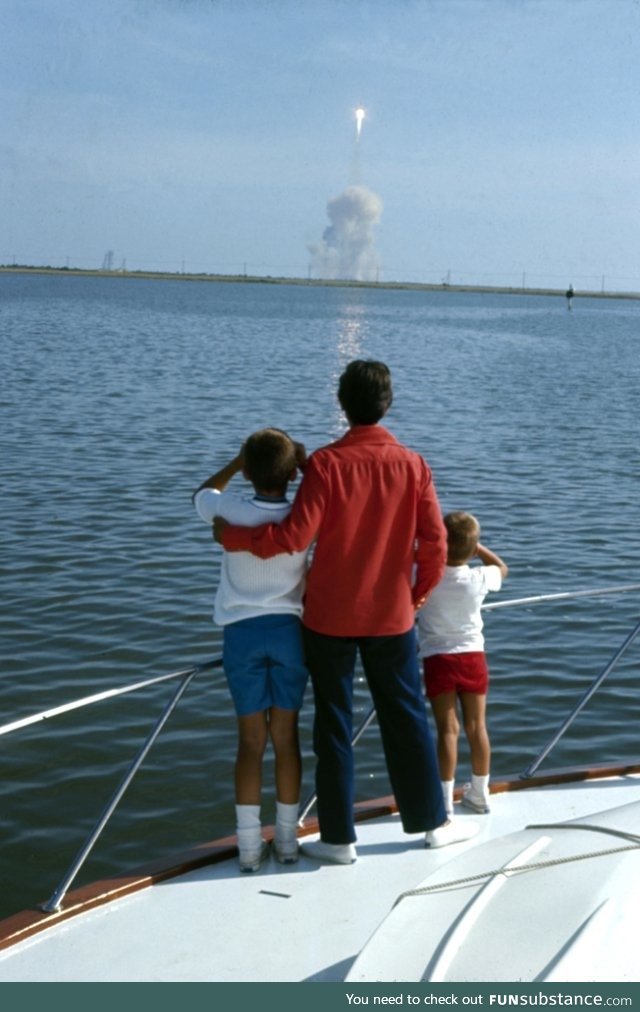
334 853
474 800
286 851
452 831
250 860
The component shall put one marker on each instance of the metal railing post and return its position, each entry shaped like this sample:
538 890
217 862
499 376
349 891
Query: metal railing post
311 799
531 769
54 902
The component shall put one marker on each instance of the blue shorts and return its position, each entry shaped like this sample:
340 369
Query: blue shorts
263 660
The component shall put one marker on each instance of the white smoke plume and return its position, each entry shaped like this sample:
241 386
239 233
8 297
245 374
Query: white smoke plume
347 249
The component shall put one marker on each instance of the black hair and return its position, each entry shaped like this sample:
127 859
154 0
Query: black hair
365 392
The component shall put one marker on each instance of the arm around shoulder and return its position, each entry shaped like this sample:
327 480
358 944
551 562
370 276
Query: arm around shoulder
294 534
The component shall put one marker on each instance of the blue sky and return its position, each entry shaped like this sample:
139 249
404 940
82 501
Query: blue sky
503 137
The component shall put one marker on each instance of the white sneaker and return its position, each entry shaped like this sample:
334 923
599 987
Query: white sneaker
474 800
334 853
452 831
286 851
250 860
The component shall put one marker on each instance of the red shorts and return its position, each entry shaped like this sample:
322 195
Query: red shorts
456 673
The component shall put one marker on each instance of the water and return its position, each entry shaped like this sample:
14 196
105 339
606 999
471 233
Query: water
118 396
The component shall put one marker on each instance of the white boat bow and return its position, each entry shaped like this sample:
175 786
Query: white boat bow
549 890
551 902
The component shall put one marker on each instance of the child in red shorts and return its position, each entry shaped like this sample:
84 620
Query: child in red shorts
455 666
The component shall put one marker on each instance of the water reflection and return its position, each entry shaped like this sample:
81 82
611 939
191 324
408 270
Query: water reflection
167 379
351 332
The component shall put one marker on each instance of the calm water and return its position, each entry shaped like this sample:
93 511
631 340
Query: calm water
119 396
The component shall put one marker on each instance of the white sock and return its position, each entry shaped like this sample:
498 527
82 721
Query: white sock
248 828
480 784
447 793
286 821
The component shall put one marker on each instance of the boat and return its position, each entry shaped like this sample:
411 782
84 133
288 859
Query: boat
547 891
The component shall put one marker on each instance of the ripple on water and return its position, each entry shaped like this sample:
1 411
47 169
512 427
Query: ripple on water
118 397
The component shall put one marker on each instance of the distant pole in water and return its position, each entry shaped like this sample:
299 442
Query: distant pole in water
569 296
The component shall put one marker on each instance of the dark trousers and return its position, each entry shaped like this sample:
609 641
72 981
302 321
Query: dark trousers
391 667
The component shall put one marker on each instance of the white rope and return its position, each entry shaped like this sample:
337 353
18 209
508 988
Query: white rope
508 872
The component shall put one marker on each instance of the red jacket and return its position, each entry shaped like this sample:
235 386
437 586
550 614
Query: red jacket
370 505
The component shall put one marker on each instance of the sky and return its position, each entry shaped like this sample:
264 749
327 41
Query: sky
501 142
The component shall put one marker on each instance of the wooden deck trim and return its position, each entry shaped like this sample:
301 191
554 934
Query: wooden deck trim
571 774
27 923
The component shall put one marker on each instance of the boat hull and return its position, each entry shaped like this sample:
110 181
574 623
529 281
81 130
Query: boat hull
195 918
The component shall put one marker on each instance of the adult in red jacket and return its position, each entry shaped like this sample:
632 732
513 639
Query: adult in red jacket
371 508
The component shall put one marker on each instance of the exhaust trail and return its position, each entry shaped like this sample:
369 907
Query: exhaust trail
347 248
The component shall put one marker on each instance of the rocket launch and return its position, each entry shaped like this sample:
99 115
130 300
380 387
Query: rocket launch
360 115
347 247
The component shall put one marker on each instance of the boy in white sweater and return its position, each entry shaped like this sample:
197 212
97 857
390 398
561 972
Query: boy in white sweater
258 604
455 665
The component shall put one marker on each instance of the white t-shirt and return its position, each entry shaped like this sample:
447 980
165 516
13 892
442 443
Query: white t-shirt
250 586
450 621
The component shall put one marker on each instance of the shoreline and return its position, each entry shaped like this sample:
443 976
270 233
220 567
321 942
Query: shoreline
314 282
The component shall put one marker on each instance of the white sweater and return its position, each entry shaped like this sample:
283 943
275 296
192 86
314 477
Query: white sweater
250 586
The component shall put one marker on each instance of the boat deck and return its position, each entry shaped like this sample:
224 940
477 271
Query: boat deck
305 922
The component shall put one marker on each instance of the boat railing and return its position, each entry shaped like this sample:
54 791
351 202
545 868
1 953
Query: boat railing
186 676
580 705
99 697
566 724
597 681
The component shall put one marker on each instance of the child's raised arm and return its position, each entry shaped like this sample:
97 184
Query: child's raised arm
221 478
489 558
